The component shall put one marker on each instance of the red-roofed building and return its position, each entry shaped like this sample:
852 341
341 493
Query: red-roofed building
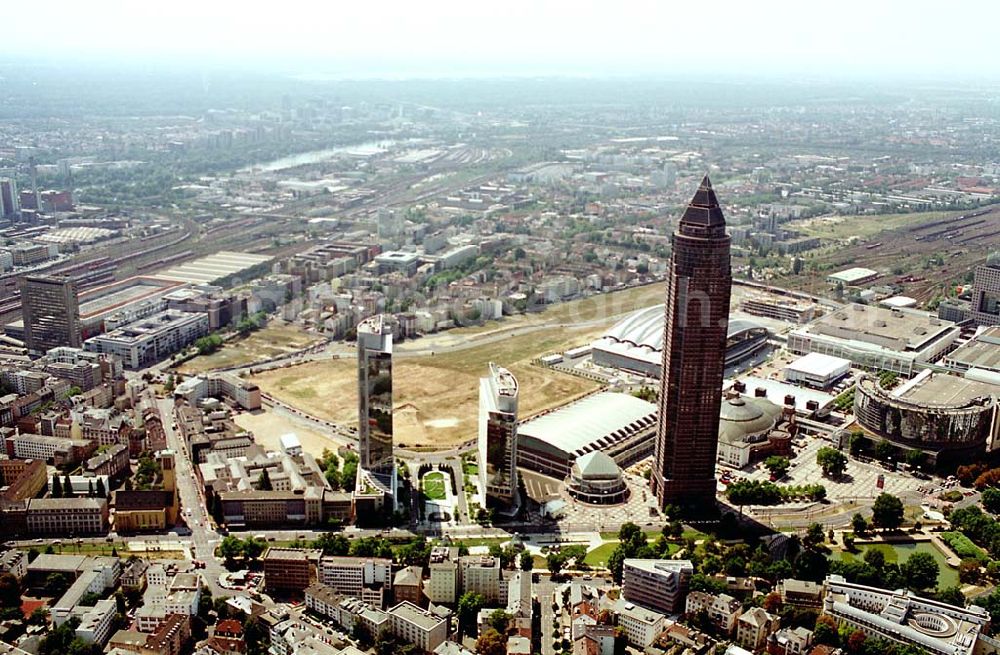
228 638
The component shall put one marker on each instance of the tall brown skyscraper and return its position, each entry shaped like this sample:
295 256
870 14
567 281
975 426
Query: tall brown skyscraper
694 350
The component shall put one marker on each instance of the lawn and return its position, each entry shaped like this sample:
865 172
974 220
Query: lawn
899 553
436 397
599 556
434 486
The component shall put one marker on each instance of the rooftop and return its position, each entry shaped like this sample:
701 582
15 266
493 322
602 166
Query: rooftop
419 617
943 390
892 328
982 351
853 275
591 422
819 364
214 268
640 334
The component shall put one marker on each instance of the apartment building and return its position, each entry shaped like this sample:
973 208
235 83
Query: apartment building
67 517
754 627
723 610
417 626
287 570
368 579
660 585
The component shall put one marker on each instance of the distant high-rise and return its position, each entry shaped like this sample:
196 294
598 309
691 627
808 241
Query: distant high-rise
498 435
694 351
375 395
51 312
986 292
10 200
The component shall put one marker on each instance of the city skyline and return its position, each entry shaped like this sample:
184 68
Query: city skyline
447 38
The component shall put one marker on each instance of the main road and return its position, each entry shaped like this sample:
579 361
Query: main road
203 538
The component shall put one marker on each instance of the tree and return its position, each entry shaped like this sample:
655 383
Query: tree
814 536
951 596
772 602
856 642
56 486
875 558
969 571
500 621
825 631
256 636
100 489
916 458
231 548
858 442
264 482
991 500
859 524
90 488
554 562
884 450
920 571
527 562
887 512
469 605
777 465
491 642
832 461
10 591
67 487
56 584
39 617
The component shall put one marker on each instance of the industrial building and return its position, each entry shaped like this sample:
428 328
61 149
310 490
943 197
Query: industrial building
852 276
223 269
635 344
981 353
817 370
877 338
938 413
792 310
617 424
149 340
113 305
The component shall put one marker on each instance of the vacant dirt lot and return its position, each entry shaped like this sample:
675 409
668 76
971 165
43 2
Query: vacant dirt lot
436 397
274 340
267 428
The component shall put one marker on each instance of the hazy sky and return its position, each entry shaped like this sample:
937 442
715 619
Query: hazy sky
462 37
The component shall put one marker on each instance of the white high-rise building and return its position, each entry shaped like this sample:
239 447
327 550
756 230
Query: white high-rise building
498 435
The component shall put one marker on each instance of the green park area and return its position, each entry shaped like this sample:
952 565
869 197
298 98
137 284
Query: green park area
899 553
434 486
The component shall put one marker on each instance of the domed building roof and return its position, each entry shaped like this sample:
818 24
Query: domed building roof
596 465
746 416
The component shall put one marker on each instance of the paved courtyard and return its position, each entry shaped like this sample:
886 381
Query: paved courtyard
859 484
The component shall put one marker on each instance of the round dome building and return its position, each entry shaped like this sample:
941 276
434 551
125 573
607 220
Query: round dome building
596 478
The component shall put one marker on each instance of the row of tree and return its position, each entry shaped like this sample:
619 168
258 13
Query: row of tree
64 488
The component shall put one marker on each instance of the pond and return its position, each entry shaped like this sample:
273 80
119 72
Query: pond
899 553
